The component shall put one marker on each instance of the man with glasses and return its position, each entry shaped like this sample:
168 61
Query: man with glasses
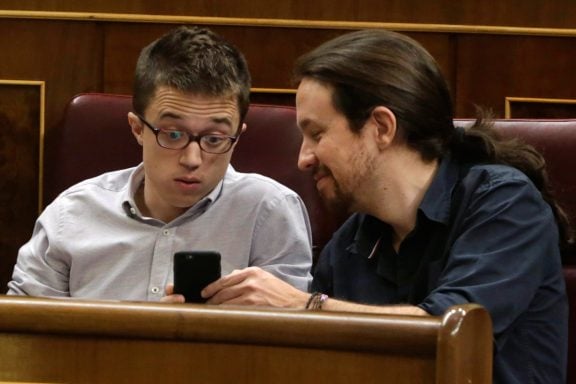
114 236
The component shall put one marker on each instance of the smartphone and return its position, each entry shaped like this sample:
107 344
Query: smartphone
194 270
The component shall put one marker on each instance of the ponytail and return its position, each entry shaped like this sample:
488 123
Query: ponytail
481 143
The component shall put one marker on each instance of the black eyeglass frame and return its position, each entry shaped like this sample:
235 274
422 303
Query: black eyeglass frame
191 138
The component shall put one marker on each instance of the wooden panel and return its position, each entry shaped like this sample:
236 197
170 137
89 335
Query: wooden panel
442 47
540 13
270 60
67 57
536 108
124 360
102 342
122 45
21 126
493 67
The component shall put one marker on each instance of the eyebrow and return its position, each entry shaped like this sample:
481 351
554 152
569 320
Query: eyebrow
222 120
216 120
170 115
304 123
307 125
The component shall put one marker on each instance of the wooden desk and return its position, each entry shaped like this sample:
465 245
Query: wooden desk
69 341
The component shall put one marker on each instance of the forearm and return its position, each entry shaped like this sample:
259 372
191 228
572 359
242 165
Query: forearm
330 304
289 256
38 270
254 286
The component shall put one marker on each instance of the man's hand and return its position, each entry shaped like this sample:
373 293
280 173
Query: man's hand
170 296
254 286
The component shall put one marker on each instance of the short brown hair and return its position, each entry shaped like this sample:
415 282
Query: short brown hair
194 60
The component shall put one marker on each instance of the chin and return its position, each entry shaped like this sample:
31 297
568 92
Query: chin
336 204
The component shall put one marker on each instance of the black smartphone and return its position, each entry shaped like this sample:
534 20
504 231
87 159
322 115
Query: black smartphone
194 270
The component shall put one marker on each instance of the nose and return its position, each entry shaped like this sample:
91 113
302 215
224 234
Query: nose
306 158
191 156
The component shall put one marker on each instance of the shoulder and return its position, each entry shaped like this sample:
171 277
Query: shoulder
496 173
107 183
493 174
85 200
501 191
255 184
486 178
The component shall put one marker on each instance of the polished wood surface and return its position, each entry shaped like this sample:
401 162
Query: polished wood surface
526 107
21 132
538 13
492 68
44 340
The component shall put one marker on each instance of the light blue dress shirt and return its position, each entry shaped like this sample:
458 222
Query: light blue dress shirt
92 242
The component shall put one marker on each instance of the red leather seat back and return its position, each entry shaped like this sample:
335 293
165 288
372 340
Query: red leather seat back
93 137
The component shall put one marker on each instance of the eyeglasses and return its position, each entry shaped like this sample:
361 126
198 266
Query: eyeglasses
175 139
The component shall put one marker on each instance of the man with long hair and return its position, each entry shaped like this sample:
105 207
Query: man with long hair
441 215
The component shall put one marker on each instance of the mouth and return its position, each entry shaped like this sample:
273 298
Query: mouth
320 179
187 182
320 173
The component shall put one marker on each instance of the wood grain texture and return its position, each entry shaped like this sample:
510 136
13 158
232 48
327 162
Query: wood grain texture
67 57
104 342
491 68
539 13
20 127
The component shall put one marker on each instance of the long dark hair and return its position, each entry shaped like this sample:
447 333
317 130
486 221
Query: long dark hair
482 144
377 67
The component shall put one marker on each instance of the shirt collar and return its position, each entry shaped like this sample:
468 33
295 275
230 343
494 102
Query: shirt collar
437 200
137 178
435 206
368 236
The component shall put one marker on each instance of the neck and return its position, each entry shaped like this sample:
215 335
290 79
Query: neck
145 204
397 202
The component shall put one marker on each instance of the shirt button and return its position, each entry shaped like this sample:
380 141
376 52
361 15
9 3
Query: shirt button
155 290
166 232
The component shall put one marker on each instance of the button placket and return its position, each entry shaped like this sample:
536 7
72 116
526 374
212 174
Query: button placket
159 273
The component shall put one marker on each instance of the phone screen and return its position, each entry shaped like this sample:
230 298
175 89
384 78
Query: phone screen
193 270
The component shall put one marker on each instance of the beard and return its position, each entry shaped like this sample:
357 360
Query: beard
344 196
337 200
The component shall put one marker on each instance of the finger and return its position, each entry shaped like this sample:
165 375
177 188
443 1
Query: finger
173 299
224 296
169 290
234 278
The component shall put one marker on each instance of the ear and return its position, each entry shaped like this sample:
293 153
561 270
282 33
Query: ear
136 125
384 121
242 130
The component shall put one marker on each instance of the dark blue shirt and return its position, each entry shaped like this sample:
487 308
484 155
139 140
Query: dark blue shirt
483 235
